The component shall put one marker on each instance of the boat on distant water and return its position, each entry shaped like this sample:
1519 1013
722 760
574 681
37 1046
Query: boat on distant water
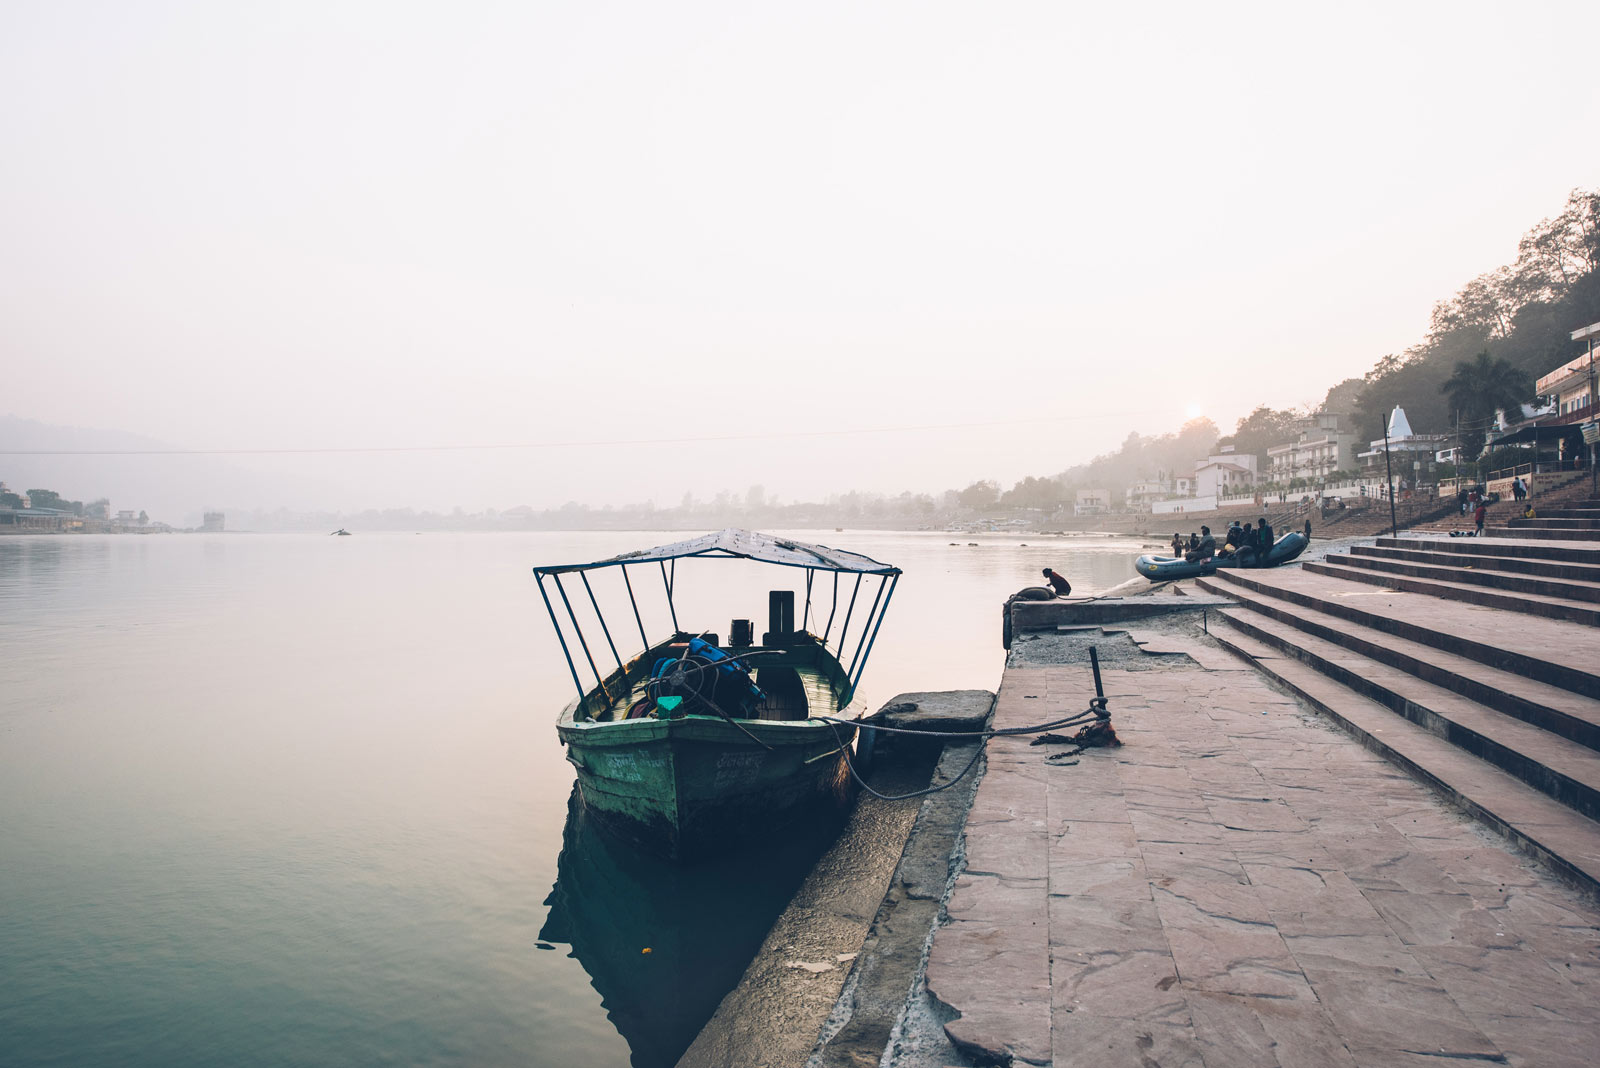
1163 568
694 746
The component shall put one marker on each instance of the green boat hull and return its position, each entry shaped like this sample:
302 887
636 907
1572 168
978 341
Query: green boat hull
691 787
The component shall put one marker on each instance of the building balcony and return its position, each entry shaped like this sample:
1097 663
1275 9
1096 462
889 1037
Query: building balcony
1580 414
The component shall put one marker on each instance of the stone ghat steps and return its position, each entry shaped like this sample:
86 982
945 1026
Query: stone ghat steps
1563 838
1576 585
1532 528
1544 705
1547 522
1530 602
1544 650
1424 552
1555 502
1551 764
1566 551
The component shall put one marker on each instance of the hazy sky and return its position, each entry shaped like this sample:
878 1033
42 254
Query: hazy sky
283 225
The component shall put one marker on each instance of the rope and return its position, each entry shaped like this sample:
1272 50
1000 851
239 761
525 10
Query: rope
977 751
1095 711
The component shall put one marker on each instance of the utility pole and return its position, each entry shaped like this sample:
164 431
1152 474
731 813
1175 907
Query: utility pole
1594 411
1388 468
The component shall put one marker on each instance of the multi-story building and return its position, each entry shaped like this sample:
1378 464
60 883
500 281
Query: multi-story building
1572 384
1326 445
1224 472
1143 493
1092 502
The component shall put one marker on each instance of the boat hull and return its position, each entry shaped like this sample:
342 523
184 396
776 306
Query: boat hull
690 787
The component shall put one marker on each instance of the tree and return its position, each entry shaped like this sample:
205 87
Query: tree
43 498
1034 493
1262 429
1342 398
1479 387
980 495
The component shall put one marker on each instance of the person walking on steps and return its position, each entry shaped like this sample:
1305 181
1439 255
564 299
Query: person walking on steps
1477 518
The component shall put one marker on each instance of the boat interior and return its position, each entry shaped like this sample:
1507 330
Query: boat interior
789 676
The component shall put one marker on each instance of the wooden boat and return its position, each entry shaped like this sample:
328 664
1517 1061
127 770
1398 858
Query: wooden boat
693 747
1163 568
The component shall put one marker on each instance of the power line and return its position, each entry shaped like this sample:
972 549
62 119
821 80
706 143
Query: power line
608 442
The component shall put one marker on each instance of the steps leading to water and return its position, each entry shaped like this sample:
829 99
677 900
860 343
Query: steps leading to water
1464 558
1474 662
1443 584
1564 839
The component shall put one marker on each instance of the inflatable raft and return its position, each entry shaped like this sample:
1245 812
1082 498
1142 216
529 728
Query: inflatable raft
1164 568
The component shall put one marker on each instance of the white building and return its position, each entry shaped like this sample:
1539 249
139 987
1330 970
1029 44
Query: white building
1145 492
1092 502
1572 382
1410 455
1224 473
1326 446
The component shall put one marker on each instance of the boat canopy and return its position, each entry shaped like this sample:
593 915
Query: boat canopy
743 544
729 544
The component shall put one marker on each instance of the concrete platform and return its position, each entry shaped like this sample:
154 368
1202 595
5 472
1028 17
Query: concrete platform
1095 611
833 974
1244 884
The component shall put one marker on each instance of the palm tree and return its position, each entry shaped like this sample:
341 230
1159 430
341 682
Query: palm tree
1483 385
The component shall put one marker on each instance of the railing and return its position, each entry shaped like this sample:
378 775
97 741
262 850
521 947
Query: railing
1541 468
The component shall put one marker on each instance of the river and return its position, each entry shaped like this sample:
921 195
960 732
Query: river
298 799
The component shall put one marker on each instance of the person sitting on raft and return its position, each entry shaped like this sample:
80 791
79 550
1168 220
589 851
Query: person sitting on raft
1204 549
1058 583
1264 540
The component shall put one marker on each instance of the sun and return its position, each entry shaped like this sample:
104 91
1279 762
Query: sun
1193 411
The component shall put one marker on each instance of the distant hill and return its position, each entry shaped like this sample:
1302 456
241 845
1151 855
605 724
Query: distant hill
172 489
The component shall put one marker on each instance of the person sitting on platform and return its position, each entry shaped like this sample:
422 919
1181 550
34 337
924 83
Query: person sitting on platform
1528 513
1058 583
1204 549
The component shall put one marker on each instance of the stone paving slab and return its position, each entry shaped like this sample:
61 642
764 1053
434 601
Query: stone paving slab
1241 884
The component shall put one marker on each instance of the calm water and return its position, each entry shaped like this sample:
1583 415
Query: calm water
293 799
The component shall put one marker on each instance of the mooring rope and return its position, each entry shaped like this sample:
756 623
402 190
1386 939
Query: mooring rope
1095 711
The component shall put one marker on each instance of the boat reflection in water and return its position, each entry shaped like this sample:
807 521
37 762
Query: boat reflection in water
701 924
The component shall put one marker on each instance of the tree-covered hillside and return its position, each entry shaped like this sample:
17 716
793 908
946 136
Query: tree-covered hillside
1522 313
